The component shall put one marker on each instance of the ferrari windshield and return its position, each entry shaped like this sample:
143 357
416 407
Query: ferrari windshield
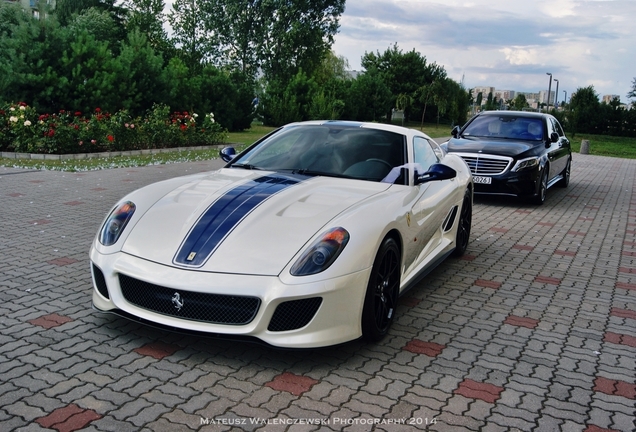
335 150
508 127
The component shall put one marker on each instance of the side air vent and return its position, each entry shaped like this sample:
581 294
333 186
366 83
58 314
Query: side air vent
450 219
295 314
100 281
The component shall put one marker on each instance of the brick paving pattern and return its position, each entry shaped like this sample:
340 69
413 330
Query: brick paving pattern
533 330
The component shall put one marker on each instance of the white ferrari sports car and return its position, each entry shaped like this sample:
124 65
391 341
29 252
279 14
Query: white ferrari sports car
305 239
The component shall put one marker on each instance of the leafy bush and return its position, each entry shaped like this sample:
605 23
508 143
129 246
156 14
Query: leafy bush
23 130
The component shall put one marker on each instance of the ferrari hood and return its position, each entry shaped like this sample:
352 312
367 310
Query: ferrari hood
241 221
503 147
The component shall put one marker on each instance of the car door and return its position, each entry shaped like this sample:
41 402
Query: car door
430 207
559 150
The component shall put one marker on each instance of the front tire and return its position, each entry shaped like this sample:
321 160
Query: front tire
464 223
380 301
542 192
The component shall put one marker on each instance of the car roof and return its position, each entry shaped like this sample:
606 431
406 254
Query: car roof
369 125
527 114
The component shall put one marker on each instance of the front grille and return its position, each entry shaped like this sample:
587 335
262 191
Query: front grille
100 281
486 164
294 314
189 305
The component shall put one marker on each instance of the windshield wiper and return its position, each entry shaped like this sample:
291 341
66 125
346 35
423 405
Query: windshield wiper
245 166
305 171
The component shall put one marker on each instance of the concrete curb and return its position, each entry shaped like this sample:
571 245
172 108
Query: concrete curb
77 156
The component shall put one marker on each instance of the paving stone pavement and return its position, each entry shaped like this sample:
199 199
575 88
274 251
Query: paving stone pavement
533 330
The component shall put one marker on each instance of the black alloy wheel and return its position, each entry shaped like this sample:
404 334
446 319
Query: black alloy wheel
543 187
381 298
464 224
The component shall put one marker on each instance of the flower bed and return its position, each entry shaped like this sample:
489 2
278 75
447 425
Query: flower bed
24 130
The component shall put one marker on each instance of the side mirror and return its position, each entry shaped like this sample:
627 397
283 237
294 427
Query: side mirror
554 137
227 153
435 173
455 131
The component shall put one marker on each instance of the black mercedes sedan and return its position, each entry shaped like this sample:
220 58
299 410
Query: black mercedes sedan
514 153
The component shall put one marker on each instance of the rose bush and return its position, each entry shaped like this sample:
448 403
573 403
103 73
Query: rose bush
24 130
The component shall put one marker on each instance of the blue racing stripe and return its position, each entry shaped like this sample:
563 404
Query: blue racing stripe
224 214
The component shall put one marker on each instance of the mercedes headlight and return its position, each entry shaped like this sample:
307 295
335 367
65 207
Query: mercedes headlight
524 164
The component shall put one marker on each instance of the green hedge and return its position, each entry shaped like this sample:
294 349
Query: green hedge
24 130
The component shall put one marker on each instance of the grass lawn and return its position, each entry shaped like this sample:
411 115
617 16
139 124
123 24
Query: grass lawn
600 145
603 145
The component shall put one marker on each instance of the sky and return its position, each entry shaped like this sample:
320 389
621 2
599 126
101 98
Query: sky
506 44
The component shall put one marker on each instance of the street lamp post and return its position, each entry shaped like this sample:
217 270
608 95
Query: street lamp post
549 90
556 94
565 98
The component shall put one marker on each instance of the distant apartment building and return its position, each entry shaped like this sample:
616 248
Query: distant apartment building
484 92
36 7
505 95
608 98
543 97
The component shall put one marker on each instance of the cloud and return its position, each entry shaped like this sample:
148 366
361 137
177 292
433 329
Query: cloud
502 43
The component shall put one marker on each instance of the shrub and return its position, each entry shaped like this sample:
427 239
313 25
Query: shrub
23 130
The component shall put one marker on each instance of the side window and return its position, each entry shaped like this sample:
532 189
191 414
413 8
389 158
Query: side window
424 155
557 127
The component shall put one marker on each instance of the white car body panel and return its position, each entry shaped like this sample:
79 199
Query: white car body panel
255 257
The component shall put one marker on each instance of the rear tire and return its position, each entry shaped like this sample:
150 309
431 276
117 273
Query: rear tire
380 301
464 223
565 181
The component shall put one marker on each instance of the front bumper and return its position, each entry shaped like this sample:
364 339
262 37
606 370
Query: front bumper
322 313
521 184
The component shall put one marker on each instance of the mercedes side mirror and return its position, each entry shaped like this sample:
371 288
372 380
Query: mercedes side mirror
455 131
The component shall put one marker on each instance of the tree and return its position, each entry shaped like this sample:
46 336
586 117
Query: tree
278 37
333 83
632 93
584 110
296 35
520 102
194 44
147 17
404 73
369 97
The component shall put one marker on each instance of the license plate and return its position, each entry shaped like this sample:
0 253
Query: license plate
482 180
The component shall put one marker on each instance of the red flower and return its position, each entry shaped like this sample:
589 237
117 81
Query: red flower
78 113
97 110
183 127
50 133
110 138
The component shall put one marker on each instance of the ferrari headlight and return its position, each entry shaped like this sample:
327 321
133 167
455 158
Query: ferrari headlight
322 253
115 223
525 164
